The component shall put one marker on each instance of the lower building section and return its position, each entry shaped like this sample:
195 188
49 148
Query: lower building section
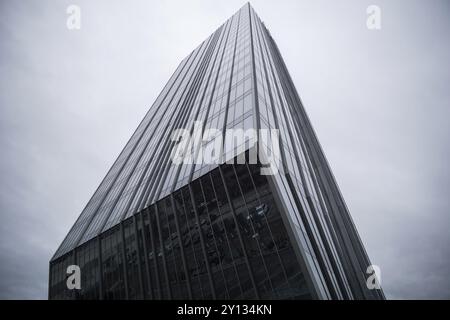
223 236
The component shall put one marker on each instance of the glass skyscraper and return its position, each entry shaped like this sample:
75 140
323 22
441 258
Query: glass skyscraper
156 229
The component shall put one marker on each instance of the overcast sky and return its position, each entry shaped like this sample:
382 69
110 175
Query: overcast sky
379 101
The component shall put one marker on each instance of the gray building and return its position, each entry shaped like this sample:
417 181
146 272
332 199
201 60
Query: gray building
224 229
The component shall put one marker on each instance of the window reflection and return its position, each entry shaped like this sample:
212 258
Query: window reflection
229 227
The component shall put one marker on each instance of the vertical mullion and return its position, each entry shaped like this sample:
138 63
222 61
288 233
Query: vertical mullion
202 242
182 106
138 251
152 239
215 241
100 267
227 105
268 227
189 228
333 259
250 269
74 257
50 269
320 240
166 274
226 235
213 90
253 229
143 197
183 255
125 269
257 113
144 245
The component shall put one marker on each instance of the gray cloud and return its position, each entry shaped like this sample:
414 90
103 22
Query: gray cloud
379 102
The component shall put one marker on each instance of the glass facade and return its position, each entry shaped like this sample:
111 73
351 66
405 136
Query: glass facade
155 229
219 237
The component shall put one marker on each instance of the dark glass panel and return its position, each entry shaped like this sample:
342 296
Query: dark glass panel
172 249
295 287
187 240
232 234
131 260
112 265
58 280
155 279
194 231
143 258
158 253
250 235
87 260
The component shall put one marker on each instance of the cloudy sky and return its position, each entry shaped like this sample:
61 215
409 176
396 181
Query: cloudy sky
378 99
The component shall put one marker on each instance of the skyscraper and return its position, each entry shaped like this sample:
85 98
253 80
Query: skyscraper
226 229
